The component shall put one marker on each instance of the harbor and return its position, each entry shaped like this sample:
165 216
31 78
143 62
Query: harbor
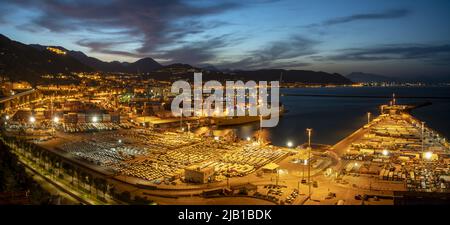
392 152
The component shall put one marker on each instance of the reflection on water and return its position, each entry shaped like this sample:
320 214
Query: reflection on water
333 118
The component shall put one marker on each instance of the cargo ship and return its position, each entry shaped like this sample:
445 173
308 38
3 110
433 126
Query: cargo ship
238 120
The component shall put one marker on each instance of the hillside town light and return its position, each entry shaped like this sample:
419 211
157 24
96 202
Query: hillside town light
56 120
7 117
248 139
95 119
385 152
32 119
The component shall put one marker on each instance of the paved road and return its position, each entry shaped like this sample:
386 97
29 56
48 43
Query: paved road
341 147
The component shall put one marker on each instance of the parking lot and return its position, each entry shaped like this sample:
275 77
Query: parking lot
161 157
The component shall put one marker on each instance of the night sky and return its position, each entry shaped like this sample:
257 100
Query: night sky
395 38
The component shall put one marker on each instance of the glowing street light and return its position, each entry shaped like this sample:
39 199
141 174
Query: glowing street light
216 138
94 119
385 152
428 155
289 144
249 139
120 141
56 119
7 117
32 119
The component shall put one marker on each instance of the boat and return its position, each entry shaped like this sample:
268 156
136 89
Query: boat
235 120
238 120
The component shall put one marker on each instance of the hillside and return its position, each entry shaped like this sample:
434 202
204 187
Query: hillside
24 62
28 62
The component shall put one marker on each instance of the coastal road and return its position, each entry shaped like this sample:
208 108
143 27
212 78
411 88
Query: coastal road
341 147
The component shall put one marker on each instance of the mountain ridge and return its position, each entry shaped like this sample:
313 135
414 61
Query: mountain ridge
15 61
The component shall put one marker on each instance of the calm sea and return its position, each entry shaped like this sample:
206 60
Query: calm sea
333 118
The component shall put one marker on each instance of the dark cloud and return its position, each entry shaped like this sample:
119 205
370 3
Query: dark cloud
156 23
106 47
279 54
5 10
390 14
435 54
199 52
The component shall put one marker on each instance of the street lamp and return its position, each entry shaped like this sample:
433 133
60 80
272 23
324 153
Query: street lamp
7 117
248 139
188 127
423 128
385 152
181 120
120 141
32 119
56 119
94 119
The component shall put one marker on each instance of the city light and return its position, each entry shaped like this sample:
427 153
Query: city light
248 142
428 155
289 144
